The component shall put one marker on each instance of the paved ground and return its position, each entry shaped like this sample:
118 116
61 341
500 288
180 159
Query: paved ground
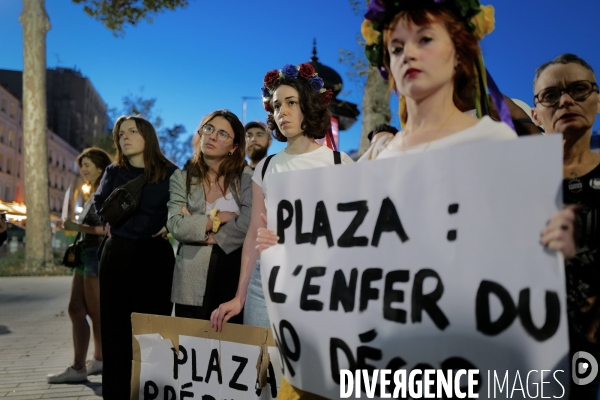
35 340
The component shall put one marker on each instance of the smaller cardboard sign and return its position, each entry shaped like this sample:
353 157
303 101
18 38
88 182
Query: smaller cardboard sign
175 358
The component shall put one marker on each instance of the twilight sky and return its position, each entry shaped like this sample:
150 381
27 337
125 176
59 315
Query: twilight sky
212 53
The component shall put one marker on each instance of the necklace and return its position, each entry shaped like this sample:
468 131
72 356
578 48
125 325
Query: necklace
404 134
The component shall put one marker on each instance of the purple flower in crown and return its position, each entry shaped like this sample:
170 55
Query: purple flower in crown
375 11
316 83
290 71
265 92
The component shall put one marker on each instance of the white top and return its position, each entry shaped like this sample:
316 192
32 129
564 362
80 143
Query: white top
377 146
485 130
281 162
225 203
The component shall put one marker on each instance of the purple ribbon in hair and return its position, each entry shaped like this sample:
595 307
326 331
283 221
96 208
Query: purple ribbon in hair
499 102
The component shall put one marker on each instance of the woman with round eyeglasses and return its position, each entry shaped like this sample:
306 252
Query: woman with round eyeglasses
209 214
566 100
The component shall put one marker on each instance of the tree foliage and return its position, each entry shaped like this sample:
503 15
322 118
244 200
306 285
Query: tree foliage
114 14
174 143
357 63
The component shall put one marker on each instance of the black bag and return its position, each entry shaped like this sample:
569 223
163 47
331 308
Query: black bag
123 202
72 257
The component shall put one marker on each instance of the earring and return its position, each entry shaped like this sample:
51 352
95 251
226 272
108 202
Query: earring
229 154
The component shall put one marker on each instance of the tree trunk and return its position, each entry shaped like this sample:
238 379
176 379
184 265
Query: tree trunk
376 106
38 250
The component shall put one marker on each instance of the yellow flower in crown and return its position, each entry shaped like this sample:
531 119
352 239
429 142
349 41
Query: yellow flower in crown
370 34
484 22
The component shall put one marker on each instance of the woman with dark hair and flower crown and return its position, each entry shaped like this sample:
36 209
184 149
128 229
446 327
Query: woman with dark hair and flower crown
297 104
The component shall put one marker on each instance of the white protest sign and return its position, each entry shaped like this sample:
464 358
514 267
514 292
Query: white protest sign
204 367
65 207
423 261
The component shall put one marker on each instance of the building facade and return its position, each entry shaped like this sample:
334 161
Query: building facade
63 171
62 166
11 149
76 112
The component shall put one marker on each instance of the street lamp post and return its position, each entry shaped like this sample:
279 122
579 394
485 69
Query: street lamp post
245 106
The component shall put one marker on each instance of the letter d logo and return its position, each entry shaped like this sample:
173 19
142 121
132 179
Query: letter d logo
581 363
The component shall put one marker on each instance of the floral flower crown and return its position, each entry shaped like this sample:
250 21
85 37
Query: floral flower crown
477 18
289 71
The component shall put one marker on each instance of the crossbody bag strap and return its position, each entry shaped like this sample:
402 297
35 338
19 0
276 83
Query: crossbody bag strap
265 165
337 157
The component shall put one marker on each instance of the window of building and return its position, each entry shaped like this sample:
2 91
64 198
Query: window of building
13 110
11 137
3 103
7 194
19 169
2 133
8 165
1 162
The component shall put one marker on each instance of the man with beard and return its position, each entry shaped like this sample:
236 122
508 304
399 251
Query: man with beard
258 141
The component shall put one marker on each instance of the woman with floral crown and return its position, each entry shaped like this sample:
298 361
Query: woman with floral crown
429 51
297 104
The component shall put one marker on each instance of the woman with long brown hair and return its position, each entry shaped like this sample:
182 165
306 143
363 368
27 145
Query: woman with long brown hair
85 291
209 213
136 264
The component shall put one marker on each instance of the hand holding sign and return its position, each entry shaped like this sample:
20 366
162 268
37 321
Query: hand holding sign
265 238
65 207
559 233
225 312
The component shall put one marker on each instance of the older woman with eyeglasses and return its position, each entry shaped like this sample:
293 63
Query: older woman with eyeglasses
209 214
567 101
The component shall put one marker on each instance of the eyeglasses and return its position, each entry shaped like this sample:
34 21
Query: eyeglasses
578 90
257 135
208 130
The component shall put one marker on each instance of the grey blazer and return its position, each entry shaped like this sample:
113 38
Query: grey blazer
191 263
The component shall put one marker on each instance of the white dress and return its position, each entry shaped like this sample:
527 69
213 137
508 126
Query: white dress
486 129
